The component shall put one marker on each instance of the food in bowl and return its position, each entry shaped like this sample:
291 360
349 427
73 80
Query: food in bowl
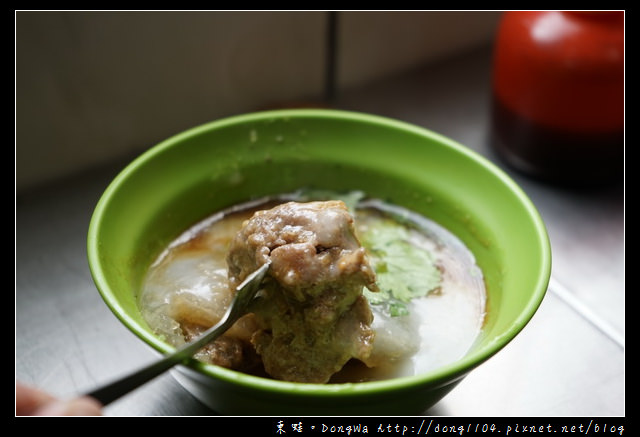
358 289
210 168
313 316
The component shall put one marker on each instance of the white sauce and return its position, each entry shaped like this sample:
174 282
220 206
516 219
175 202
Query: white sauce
190 277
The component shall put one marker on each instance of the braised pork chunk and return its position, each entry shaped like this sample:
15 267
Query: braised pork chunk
312 317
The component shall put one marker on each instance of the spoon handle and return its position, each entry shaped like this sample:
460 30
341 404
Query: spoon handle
116 389
245 293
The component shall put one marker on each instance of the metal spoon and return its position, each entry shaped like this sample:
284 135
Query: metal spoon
245 293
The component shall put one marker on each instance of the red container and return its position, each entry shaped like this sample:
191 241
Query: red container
558 94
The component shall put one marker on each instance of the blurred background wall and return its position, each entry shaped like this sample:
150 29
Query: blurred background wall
92 87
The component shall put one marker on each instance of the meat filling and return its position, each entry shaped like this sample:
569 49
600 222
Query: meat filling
312 317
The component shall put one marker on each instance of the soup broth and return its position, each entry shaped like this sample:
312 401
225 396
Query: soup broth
427 313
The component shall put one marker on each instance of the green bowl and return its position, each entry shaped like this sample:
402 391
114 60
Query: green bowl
189 176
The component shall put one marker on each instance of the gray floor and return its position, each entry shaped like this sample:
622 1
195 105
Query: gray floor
569 360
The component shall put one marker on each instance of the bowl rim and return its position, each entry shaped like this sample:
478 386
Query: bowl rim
441 376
